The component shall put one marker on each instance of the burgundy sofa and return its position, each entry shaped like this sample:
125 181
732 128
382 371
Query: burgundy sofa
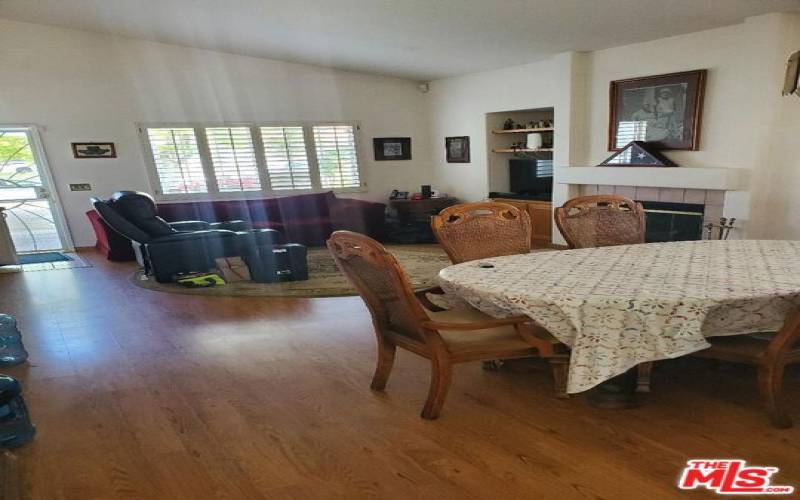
308 219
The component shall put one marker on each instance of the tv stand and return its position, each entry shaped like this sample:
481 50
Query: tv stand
541 214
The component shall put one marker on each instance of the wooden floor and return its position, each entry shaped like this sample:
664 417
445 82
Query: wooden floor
139 394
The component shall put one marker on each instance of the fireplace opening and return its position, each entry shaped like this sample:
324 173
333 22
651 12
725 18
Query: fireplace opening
666 221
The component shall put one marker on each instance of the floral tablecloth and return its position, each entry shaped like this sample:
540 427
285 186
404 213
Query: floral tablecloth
619 306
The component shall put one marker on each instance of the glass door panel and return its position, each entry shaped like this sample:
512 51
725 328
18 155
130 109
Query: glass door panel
24 194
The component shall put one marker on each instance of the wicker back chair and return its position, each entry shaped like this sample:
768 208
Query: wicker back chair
444 338
601 221
473 231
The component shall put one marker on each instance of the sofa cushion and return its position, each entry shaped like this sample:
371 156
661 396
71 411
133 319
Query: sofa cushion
305 206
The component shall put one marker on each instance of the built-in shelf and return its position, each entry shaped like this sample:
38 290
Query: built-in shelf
522 130
522 150
726 179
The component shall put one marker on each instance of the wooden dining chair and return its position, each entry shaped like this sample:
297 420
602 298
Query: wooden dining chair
770 353
473 231
600 221
445 338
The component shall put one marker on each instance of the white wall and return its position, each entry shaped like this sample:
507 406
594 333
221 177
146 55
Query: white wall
81 86
746 123
746 64
458 106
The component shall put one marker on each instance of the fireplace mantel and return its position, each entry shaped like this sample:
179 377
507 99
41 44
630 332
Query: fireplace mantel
723 179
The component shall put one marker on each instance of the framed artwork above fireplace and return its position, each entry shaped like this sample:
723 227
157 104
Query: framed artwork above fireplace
664 110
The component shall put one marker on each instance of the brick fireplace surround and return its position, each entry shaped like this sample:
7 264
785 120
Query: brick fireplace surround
713 199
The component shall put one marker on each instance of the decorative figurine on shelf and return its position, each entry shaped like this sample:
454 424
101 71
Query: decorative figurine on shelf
15 424
12 352
508 124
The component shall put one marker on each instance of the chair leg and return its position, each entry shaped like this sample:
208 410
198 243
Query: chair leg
560 368
770 379
386 352
441 375
643 377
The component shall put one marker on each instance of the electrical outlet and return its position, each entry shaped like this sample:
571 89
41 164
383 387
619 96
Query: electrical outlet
80 187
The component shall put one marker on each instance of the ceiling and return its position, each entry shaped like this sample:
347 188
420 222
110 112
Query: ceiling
416 39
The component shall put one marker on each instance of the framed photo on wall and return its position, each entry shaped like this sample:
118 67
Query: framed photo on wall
392 148
457 149
663 110
94 150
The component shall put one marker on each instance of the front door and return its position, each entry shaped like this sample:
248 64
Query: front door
31 210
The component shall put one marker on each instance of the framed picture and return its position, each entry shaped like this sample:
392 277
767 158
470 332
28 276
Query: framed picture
94 150
663 110
392 148
398 195
457 149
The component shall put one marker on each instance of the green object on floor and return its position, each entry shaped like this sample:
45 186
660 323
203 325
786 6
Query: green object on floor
199 280
42 257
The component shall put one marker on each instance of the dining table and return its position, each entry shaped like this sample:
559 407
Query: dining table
616 307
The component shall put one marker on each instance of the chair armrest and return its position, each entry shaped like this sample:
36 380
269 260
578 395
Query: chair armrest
232 225
215 234
426 303
189 225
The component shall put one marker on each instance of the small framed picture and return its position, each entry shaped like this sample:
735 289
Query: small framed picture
392 148
94 150
398 195
457 149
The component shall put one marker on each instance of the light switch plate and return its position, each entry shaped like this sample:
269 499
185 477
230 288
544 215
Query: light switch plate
80 187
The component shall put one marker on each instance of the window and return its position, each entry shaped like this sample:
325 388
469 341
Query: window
210 160
336 155
234 159
177 160
285 156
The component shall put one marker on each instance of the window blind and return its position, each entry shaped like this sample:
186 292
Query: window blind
233 158
285 157
177 160
336 156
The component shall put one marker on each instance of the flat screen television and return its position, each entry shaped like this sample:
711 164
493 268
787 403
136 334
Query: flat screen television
531 177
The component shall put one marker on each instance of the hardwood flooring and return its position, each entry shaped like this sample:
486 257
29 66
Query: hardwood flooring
140 394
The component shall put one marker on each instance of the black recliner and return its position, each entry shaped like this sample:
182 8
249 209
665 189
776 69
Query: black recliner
168 249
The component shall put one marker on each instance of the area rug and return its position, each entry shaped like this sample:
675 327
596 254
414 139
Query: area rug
42 257
421 262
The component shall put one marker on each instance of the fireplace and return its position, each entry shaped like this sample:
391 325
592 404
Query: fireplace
666 221
672 214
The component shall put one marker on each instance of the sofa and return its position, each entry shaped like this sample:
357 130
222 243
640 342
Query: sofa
307 219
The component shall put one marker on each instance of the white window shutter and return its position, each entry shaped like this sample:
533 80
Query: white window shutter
285 158
233 158
336 156
177 162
